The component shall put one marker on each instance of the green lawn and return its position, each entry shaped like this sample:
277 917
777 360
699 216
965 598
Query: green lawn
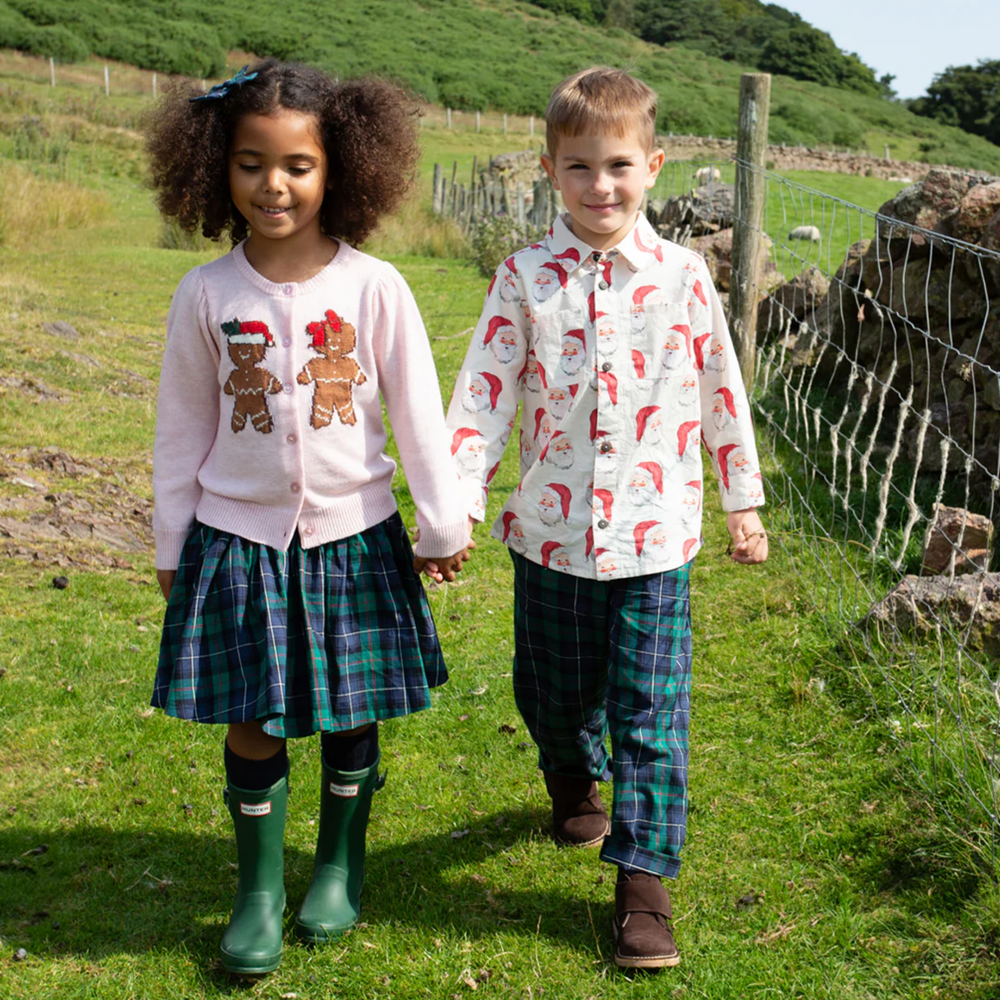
813 868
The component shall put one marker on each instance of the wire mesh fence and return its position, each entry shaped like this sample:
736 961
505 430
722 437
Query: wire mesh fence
879 388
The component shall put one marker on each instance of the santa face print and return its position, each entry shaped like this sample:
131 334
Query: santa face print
507 431
504 346
739 464
641 487
508 288
715 356
653 433
690 504
561 561
573 356
721 416
546 285
526 449
607 338
545 430
606 564
516 538
688 391
559 400
638 318
532 376
674 354
657 538
477 396
549 511
560 453
471 456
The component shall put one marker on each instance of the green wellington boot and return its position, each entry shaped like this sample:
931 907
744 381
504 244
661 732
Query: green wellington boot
333 901
252 942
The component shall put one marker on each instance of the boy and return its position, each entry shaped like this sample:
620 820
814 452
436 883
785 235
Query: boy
617 351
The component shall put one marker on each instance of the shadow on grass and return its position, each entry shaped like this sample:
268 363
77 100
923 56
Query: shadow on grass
95 893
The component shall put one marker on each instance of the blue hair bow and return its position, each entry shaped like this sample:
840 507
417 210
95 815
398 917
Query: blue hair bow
221 89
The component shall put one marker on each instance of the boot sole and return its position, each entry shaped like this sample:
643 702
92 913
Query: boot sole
587 843
309 936
247 970
653 962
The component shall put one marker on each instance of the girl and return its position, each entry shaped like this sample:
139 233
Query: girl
293 602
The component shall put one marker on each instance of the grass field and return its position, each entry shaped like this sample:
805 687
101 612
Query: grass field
813 868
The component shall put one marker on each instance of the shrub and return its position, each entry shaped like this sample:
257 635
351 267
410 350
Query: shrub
495 238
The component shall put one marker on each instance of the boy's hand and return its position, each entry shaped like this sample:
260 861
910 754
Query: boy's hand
165 578
446 567
749 537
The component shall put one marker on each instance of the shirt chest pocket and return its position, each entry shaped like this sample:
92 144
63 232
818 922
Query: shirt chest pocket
563 350
661 340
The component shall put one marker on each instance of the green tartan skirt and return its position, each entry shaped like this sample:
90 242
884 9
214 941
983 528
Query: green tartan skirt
308 640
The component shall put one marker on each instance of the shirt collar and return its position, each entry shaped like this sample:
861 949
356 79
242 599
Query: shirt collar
640 247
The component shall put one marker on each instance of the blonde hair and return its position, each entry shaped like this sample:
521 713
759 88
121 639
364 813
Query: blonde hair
601 99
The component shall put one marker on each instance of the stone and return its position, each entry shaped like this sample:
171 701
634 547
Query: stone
717 249
968 604
60 328
960 534
786 307
975 212
932 203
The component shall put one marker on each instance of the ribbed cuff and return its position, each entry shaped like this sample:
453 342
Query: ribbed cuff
168 547
437 541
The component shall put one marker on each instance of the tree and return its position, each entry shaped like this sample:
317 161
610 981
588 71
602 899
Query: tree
965 96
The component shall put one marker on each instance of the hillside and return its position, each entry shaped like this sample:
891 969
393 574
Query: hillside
469 54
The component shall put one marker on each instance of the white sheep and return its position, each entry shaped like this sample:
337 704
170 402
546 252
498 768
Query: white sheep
706 175
806 233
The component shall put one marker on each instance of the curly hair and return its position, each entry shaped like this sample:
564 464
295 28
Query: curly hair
368 129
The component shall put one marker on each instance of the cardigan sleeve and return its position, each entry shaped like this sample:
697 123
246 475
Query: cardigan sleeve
187 417
409 385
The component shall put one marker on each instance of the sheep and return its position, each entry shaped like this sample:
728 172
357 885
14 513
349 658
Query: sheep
811 233
706 175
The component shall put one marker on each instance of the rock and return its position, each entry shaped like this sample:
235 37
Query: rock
60 582
957 533
975 211
20 955
968 603
717 249
60 328
811 233
787 306
933 202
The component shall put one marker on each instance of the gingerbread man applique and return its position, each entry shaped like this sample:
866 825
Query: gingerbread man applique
334 373
249 384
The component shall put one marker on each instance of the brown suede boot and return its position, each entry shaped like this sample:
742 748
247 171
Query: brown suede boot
643 938
579 818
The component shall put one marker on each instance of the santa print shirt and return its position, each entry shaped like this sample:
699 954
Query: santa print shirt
622 364
269 419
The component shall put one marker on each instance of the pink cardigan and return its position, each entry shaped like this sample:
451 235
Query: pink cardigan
269 417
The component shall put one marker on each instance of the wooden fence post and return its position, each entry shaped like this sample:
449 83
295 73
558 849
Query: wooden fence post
438 189
748 240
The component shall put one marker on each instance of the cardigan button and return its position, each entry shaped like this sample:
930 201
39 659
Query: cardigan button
291 439
295 487
288 289
288 388
286 342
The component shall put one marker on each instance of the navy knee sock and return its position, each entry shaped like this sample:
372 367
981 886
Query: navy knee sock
350 753
255 775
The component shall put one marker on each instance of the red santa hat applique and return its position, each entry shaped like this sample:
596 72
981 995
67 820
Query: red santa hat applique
723 459
460 436
509 518
641 418
683 433
685 331
655 472
727 399
639 533
639 295
491 328
570 254
609 379
699 293
656 250
699 351
689 544
607 501
564 495
547 549
251 332
639 363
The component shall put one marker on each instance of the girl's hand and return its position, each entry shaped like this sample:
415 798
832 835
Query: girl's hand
165 578
445 568
749 537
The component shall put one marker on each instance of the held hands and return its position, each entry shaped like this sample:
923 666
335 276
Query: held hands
749 537
445 568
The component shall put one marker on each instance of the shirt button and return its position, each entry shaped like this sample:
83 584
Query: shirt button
602 285
602 523
606 446
289 388
607 366
295 487
291 439
288 289
287 342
